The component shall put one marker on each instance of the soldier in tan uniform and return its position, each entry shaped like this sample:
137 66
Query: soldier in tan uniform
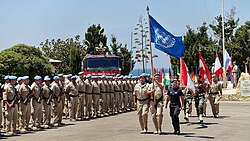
116 94
130 93
88 97
142 99
121 94
107 105
46 102
18 86
125 93
235 74
72 89
95 96
81 92
111 94
10 96
2 110
66 102
37 114
215 93
156 103
57 104
62 91
25 94
103 96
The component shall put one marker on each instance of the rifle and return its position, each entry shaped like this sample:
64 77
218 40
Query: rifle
27 99
40 95
14 99
50 97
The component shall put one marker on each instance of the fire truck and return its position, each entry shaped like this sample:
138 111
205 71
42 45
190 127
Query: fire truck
102 64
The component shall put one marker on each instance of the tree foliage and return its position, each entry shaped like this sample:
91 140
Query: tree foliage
21 60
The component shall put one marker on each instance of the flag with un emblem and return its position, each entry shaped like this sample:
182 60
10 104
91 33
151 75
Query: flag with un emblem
164 40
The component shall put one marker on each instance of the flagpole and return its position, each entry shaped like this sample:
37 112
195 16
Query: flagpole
151 54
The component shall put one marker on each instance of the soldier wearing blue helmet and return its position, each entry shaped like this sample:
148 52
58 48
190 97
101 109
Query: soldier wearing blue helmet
88 96
81 100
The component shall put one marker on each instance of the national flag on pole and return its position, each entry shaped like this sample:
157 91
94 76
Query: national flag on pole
162 76
155 71
164 40
230 66
226 60
192 76
203 70
217 67
185 77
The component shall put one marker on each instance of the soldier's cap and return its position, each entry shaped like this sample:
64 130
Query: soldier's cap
6 77
37 77
148 75
60 75
143 75
174 80
125 77
74 77
94 77
130 75
65 76
114 77
70 75
25 77
19 78
80 73
117 75
56 77
213 75
120 77
157 75
88 76
12 77
46 78
107 76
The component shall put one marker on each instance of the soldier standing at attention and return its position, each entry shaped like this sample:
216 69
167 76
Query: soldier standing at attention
116 94
6 78
62 91
174 95
125 93
141 100
96 96
107 105
121 94
18 86
37 106
215 93
81 99
46 94
57 104
102 95
72 89
25 94
10 95
235 73
88 97
112 95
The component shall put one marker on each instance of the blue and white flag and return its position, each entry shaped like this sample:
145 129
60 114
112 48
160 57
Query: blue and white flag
164 40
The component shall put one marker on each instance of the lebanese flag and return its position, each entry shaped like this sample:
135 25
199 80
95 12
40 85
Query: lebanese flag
162 76
203 70
192 75
230 66
217 67
155 71
185 77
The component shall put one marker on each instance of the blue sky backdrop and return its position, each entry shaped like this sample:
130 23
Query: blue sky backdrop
32 21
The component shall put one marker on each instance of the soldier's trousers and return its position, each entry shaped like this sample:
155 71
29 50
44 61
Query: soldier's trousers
125 100
199 104
188 105
214 102
11 115
142 113
37 114
47 113
25 114
1 114
103 102
58 112
130 100
174 114
116 97
96 103
107 102
120 100
156 113
88 105
73 103
205 104
63 101
80 107
112 102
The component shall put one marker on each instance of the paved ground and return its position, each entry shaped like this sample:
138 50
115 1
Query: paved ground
233 125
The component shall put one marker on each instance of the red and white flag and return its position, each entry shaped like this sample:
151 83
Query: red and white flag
185 77
203 70
217 67
162 76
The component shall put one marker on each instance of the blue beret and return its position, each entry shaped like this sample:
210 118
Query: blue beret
80 73
25 77
65 76
6 77
37 77
55 77
143 75
148 74
103 76
19 78
125 77
157 75
114 77
12 77
117 75
69 75
46 78
74 77
88 76
60 75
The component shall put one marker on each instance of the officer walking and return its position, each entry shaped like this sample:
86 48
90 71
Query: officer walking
215 93
10 96
141 99
156 103
188 97
174 95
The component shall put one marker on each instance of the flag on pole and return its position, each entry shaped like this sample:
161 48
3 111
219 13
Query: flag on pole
164 40
217 67
203 70
192 76
155 71
162 76
226 60
185 77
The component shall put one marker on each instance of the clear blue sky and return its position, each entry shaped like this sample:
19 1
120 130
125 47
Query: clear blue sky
32 21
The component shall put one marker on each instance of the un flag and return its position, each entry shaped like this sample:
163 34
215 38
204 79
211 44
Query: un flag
164 40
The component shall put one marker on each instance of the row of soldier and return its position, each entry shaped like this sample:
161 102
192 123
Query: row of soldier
75 97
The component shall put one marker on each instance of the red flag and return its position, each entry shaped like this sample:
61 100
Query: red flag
217 66
230 66
204 71
154 71
185 78
162 75
192 75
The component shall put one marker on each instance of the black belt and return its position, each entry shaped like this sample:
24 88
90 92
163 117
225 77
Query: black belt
96 93
117 91
103 92
143 99
73 95
81 92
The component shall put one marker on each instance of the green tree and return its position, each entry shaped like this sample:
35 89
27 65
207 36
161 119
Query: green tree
70 52
124 53
93 36
21 60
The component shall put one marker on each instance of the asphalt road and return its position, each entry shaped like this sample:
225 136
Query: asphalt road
232 125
